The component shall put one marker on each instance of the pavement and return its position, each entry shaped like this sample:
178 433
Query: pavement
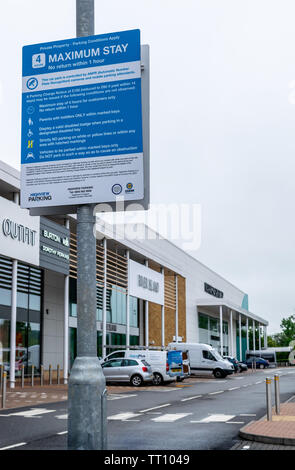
31 396
279 431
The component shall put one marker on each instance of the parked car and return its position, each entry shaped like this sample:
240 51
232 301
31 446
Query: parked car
238 365
243 366
260 363
234 362
204 359
135 371
156 359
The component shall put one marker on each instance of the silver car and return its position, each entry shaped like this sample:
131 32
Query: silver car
135 371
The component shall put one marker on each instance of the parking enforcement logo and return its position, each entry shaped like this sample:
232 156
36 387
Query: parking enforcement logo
129 188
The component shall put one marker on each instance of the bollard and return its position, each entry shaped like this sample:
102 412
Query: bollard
252 364
32 378
23 376
1 375
58 374
50 374
268 398
41 376
277 393
4 389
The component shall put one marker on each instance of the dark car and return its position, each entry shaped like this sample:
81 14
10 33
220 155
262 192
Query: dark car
243 367
234 362
260 363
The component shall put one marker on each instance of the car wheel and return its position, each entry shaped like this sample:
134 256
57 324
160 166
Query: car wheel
218 374
157 379
261 366
136 380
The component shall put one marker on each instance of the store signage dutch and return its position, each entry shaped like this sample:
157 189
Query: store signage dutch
213 291
82 121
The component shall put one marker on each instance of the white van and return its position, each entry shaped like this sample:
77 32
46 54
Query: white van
156 359
204 359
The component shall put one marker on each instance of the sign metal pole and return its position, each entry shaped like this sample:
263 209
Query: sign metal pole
87 391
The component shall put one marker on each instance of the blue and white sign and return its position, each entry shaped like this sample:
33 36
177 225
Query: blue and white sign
82 121
175 363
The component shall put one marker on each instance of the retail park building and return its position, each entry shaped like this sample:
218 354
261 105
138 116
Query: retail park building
154 292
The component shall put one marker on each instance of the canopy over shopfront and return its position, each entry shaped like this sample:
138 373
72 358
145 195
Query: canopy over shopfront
232 322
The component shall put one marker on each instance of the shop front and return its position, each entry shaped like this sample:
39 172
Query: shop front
21 287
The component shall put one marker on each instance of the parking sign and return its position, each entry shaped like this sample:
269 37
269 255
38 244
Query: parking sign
82 139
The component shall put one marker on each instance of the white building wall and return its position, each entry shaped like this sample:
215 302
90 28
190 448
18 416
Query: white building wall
53 321
167 254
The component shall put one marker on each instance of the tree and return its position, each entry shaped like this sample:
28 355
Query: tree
286 335
288 330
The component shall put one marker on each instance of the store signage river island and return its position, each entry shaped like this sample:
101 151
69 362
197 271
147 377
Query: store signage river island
145 283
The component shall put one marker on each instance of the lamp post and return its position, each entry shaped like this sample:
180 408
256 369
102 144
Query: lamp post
87 391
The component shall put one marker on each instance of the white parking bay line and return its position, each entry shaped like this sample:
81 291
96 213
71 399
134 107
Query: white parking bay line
123 416
14 445
218 418
215 393
169 418
163 390
114 396
155 408
234 388
191 398
33 413
62 432
61 416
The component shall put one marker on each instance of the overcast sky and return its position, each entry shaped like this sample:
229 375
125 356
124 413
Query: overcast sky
222 122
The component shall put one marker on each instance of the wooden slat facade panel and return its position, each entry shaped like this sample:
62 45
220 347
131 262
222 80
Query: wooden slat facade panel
117 266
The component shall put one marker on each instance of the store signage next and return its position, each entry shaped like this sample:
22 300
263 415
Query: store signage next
82 137
213 291
145 283
19 233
